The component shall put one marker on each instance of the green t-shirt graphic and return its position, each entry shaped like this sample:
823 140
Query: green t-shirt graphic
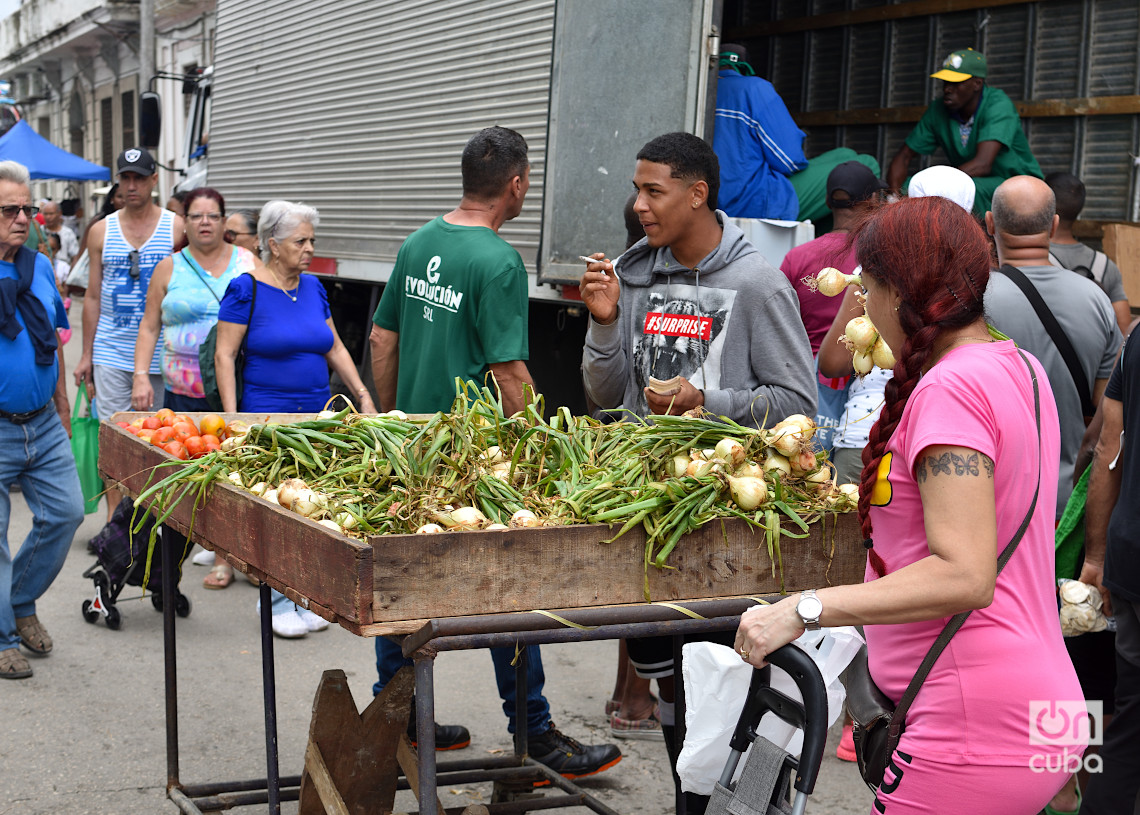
458 299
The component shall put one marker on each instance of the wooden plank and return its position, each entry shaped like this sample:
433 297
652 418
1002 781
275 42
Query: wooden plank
876 14
1122 244
409 763
1043 109
317 772
313 565
570 567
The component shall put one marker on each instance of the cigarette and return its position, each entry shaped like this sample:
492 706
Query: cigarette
593 260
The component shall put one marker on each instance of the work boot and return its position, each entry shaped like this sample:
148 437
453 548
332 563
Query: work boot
570 759
447 736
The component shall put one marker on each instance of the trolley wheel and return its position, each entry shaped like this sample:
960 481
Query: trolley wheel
114 621
182 605
89 614
103 583
156 600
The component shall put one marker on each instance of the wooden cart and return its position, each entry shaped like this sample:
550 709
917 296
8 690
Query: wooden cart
525 582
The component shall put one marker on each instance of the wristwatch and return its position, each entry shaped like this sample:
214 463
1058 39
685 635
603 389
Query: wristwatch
809 608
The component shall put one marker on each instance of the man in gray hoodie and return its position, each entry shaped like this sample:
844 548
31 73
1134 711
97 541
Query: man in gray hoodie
695 301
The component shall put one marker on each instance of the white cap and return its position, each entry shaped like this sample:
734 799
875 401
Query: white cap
945 181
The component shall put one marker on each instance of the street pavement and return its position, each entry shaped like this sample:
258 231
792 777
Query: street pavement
86 734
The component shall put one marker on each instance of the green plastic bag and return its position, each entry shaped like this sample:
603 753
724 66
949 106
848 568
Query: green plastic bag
85 447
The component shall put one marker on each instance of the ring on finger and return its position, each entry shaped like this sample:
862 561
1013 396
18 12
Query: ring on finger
743 652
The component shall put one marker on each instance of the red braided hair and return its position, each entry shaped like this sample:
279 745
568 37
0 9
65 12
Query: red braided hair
935 256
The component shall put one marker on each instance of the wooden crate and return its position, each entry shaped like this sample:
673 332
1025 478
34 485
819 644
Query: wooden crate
1122 244
391 583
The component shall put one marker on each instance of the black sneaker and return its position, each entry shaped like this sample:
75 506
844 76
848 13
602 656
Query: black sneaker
447 736
569 758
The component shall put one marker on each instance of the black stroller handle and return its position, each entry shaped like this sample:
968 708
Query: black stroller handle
810 716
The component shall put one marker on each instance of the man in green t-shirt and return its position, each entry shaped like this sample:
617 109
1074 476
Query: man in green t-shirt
976 126
456 306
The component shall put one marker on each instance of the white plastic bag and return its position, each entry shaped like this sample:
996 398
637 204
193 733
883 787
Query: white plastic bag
716 684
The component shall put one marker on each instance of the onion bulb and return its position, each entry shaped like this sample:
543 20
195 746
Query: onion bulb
397 414
429 529
820 476
346 520
773 461
333 525
307 503
233 442
802 462
832 282
260 488
748 492
496 527
882 356
525 519
677 466
467 518
235 479
270 496
730 451
287 491
860 333
492 455
806 425
862 362
326 414
787 439
501 470
749 469
850 492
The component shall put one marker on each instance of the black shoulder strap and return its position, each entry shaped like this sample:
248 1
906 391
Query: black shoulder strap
1056 333
958 620
198 270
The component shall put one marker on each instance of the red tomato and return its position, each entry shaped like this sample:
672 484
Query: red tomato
210 438
146 434
211 447
162 436
195 446
152 423
184 430
165 417
134 431
176 449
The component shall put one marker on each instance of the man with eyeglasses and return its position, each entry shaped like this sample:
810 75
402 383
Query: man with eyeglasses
35 421
123 248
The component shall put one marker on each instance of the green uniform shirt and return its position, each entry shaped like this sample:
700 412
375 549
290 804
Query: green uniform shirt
995 119
458 299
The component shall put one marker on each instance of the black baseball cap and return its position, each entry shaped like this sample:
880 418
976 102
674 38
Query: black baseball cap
135 160
854 179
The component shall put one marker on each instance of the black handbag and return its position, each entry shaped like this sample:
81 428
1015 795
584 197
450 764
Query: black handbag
878 723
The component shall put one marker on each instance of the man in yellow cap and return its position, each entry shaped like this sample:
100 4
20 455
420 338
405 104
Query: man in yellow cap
976 126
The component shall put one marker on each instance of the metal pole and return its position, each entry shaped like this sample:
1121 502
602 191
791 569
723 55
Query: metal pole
269 686
425 730
522 689
146 47
169 602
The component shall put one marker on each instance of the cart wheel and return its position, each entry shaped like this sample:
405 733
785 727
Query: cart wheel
114 621
103 583
89 614
156 600
182 605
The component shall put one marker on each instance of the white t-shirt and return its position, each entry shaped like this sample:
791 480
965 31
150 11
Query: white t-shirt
864 401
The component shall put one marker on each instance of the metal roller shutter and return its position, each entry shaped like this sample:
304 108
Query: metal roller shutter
414 78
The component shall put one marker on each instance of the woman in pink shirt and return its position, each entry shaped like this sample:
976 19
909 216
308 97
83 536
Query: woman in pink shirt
951 470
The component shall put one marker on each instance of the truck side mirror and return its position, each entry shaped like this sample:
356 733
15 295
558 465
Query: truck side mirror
150 118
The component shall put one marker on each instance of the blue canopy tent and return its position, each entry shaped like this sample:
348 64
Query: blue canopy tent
44 160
